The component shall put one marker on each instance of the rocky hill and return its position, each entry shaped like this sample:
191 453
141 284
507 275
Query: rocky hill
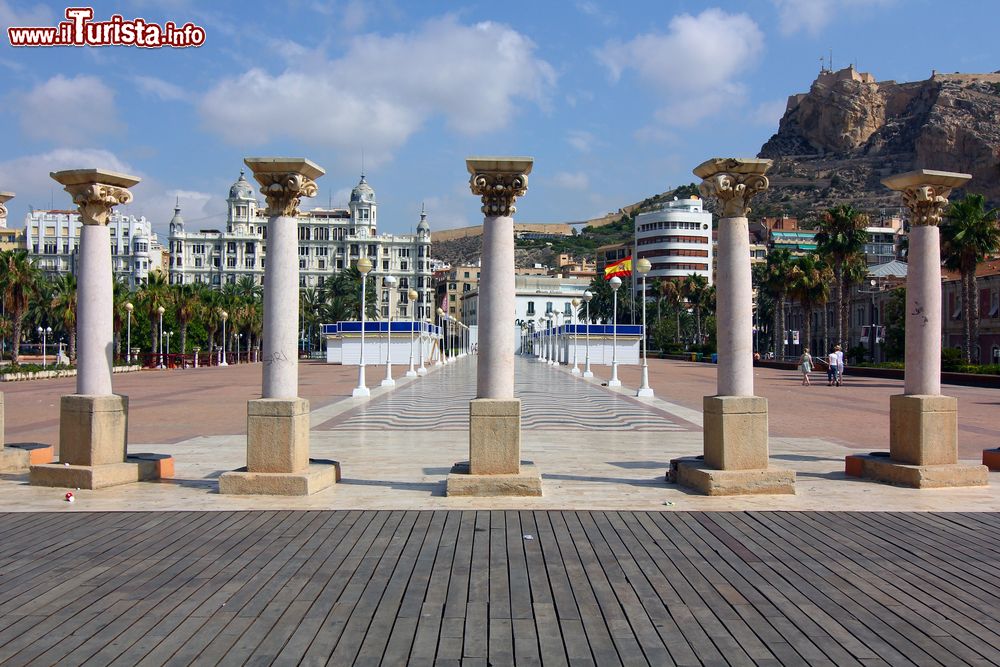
835 143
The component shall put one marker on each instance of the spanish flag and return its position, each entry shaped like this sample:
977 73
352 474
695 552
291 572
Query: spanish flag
622 268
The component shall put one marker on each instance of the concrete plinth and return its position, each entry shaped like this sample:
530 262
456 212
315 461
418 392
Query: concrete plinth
881 468
494 436
695 474
92 429
923 429
526 482
316 476
735 432
132 469
991 458
278 460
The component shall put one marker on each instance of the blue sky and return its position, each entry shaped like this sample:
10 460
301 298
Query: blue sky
615 101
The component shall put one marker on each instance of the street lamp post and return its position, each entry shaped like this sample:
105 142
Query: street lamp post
412 296
162 310
169 334
616 282
587 373
364 265
643 266
128 344
423 369
44 333
554 357
441 358
225 316
390 282
576 337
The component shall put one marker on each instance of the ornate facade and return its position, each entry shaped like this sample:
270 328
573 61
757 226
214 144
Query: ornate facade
331 240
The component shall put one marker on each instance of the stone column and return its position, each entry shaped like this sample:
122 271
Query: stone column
923 424
93 421
735 421
495 466
278 423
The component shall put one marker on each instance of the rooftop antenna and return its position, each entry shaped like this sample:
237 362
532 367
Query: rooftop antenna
831 59
362 164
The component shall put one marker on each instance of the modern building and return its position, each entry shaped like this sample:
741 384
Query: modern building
987 347
885 242
52 239
331 240
676 238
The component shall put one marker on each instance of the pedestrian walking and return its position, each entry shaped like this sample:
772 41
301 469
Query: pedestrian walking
805 366
831 367
840 365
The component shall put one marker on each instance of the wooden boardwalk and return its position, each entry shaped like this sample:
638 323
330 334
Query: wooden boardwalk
499 588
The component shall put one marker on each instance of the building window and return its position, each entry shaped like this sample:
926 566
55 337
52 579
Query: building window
548 307
568 309
531 308
302 263
231 247
230 262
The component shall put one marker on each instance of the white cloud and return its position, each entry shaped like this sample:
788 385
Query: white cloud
384 88
68 111
694 65
769 112
35 15
160 89
576 180
581 140
811 16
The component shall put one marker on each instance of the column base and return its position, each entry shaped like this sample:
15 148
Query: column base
991 459
646 392
526 482
494 436
694 473
138 468
575 371
879 467
735 432
411 374
421 371
588 374
923 429
18 458
318 475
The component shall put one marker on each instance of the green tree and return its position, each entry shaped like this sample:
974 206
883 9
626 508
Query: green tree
602 304
699 295
895 325
187 305
19 278
155 293
63 305
841 236
777 279
810 286
969 235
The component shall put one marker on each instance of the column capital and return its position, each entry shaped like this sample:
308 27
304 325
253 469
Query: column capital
733 181
4 198
499 181
925 193
96 191
283 181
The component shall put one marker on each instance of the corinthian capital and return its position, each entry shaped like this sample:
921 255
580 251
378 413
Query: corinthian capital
925 193
96 191
734 182
499 181
283 181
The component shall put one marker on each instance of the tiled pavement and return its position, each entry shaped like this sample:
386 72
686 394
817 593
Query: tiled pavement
550 400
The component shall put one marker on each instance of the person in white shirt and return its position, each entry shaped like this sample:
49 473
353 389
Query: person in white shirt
831 367
840 364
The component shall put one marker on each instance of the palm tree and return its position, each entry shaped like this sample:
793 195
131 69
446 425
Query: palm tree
6 327
968 237
187 302
19 279
63 305
842 236
777 279
120 295
810 286
670 291
696 291
154 294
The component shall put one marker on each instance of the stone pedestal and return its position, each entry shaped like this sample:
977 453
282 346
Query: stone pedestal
92 437
923 447
494 467
278 453
736 451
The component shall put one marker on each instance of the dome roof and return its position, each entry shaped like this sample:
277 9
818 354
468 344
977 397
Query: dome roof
422 226
241 189
363 192
177 219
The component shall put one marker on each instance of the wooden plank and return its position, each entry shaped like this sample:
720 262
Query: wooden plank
475 639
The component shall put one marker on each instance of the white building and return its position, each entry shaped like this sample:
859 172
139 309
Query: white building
676 239
534 297
330 241
53 237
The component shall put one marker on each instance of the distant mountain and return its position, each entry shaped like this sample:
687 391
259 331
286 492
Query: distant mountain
836 142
